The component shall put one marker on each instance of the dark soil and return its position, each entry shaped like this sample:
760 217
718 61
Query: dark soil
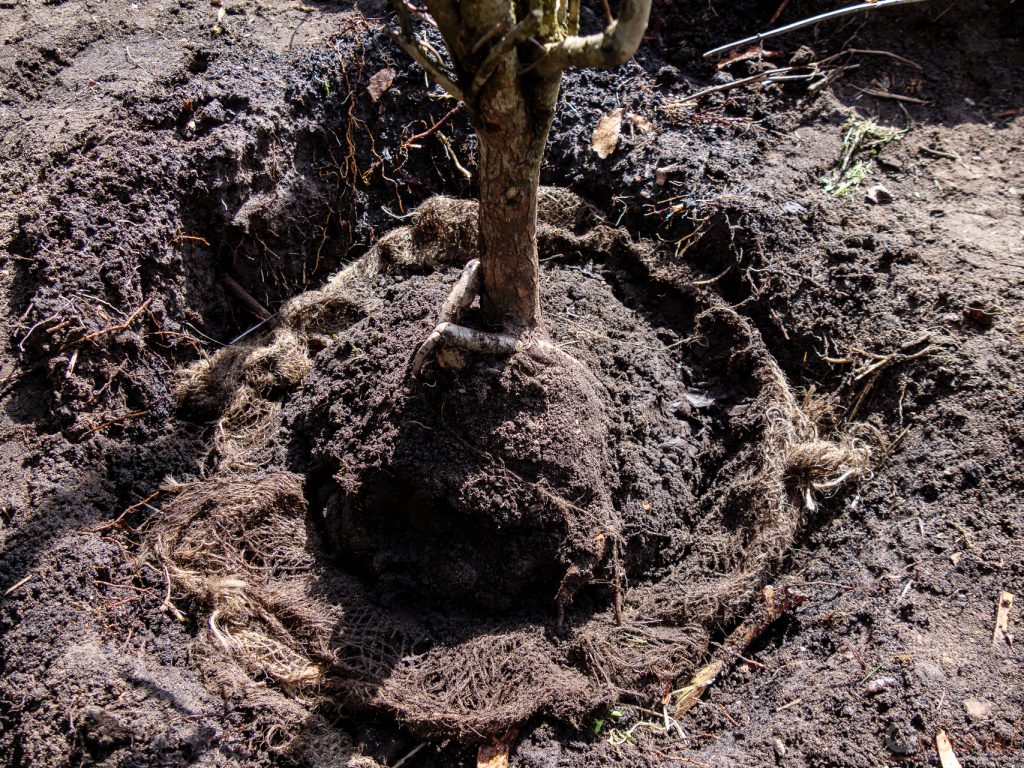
149 150
449 496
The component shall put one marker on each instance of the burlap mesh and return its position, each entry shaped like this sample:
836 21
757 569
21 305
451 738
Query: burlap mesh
241 545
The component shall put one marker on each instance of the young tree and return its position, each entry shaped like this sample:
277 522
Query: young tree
507 59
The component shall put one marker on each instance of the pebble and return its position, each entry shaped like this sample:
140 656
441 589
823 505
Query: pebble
878 195
879 684
780 749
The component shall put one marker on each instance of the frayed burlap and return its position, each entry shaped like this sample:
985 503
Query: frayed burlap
240 543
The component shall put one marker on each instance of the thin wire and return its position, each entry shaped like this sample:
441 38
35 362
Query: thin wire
808 22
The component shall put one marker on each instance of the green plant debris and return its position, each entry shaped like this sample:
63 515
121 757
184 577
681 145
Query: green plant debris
613 716
966 538
863 140
660 723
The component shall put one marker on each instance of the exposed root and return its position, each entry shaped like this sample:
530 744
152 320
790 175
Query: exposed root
466 339
449 334
769 488
463 294
774 604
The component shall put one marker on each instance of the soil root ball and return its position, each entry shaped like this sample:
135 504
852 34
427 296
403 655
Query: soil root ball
385 544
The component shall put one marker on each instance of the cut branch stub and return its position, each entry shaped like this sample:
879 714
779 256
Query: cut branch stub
616 45
483 36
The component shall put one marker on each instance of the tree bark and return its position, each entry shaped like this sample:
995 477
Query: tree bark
507 63
509 181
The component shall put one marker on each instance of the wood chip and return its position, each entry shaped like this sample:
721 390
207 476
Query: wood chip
606 134
493 756
978 709
699 683
946 756
1001 634
380 82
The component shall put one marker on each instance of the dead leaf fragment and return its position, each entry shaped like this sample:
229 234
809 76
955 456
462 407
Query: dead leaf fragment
981 314
606 134
661 174
380 82
639 122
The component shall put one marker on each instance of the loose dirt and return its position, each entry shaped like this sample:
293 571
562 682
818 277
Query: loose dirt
150 150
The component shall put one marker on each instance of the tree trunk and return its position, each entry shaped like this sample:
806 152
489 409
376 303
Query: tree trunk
509 169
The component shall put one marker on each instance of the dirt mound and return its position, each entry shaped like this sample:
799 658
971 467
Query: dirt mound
539 534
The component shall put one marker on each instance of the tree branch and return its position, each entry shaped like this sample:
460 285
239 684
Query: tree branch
518 34
413 47
616 45
445 13
404 17
493 32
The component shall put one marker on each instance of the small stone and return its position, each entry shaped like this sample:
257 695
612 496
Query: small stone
928 670
978 709
878 195
878 685
891 163
699 399
780 749
793 208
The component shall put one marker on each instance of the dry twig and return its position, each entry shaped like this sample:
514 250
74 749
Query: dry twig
14 588
246 298
880 94
775 604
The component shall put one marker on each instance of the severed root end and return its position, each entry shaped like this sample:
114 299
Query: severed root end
448 337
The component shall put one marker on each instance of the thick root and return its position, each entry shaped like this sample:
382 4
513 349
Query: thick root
448 333
466 339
